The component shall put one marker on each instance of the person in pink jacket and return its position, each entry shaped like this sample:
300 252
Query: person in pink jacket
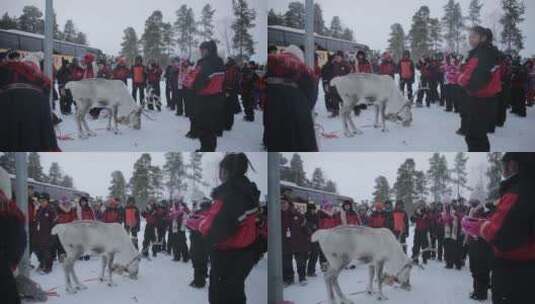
451 88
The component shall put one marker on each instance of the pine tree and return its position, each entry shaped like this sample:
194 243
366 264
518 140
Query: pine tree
319 22
140 183
156 181
318 179
330 186
130 45
347 34
58 34
382 189
54 174
31 20
67 181
7 161
438 176
168 40
494 175
275 19
420 186
117 186
435 33
405 185
297 170
459 172
336 29
453 21
419 35
195 169
69 31
295 16
35 170
206 25
474 12
511 35
396 42
152 38
186 29
81 38
242 41
174 173
8 23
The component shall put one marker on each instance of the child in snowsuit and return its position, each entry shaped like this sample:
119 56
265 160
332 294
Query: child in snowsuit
421 235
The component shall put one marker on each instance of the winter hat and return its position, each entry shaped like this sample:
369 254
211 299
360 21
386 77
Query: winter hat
43 196
296 51
89 58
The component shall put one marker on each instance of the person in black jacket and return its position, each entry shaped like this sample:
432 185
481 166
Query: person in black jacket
230 231
481 78
326 77
199 250
209 99
12 242
312 224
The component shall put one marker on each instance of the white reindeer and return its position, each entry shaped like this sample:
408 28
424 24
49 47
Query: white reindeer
104 93
109 240
375 246
371 89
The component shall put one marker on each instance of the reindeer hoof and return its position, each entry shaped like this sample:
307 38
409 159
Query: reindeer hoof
382 298
82 136
358 132
81 287
346 301
92 134
111 284
349 135
71 290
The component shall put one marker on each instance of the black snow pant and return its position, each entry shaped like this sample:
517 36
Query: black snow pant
141 88
156 87
402 238
478 114
512 281
248 101
65 101
480 256
58 250
149 237
420 242
451 96
335 101
287 266
231 101
503 103
228 271
8 287
313 256
199 258
179 246
133 235
162 230
433 92
452 253
493 114
406 83
170 95
424 83
518 101
179 102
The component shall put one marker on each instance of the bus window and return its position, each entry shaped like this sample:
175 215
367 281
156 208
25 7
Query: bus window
8 41
31 44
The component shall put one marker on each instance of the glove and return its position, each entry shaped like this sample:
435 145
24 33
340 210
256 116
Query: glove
472 226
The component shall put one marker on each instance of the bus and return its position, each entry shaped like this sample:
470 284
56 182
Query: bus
26 42
56 192
283 36
300 196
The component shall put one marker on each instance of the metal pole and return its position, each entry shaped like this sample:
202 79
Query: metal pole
48 43
309 33
275 294
21 189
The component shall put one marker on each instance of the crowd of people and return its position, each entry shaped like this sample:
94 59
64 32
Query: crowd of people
501 239
481 88
227 233
207 92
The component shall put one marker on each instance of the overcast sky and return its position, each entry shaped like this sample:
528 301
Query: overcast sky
355 173
371 19
92 171
104 21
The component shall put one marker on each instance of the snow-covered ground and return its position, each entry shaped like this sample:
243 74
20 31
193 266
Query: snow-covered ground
434 285
161 281
166 133
432 129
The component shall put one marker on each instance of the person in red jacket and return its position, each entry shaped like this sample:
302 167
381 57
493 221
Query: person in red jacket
66 213
139 79
112 214
362 65
511 231
347 215
89 69
406 74
377 217
387 66
103 70
84 211
162 222
154 75
132 220
328 218
121 71
230 231
295 243
401 224
151 218
421 234
481 78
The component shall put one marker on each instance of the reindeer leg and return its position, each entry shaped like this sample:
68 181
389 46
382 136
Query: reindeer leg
114 110
104 263
370 283
79 114
328 277
110 116
352 124
377 109
383 110
111 256
79 285
343 114
67 271
380 267
343 298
